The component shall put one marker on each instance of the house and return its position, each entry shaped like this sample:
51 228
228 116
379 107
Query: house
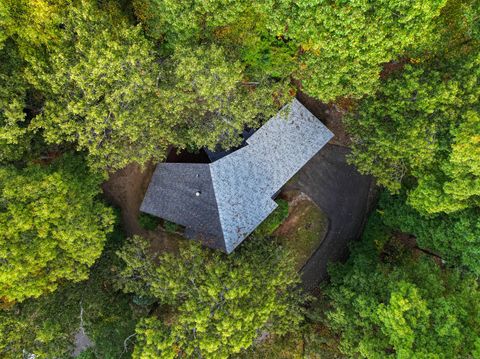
222 202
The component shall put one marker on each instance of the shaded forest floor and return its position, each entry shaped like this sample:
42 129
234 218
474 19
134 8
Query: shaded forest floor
125 189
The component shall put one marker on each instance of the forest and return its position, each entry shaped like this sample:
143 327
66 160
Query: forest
89 87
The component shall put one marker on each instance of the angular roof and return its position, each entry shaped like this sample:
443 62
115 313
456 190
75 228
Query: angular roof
224 201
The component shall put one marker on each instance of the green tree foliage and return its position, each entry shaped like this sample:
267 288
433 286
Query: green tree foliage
336 48
457 29
14 139
386 303
214 80
424 123
46 326
345 43
111 95
240 27
100 91
206 70
221 302
33 24
52 227
27 28
206 96
455 237
139 267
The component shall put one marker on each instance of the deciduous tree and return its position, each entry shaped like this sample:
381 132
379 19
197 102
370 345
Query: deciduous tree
386 303
52 226
344 43
424 124
454 237
100 91
220 302
207 97
46 326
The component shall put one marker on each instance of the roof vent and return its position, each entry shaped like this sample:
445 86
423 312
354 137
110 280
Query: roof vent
198 193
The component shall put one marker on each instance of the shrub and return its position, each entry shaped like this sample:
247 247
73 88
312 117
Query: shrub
274 220
148 222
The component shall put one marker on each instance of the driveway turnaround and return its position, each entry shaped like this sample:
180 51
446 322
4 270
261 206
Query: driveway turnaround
343 194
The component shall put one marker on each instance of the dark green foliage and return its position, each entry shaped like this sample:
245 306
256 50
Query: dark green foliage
313 340
109 315
200 73
274 220
87 354
424 124
147 221
138 270
220 303
455 237
387 303
46 326
170 227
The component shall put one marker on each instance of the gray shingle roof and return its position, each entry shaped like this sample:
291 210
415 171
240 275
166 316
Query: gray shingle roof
236 190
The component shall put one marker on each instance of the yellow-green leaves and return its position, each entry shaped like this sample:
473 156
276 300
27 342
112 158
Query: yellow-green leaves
388 303
423 124
221 302
205 94
51 227
101 91
344 43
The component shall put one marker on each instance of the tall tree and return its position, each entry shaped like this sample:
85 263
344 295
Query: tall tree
46 326
52 227
220 303
345 43
100 91
14 136
424 124
207 97
388 303
336 48
454 237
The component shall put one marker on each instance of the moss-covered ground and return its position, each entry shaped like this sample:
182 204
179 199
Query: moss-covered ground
304 228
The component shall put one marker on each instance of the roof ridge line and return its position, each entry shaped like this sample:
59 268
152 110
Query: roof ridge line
216 204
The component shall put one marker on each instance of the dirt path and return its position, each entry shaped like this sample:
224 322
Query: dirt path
344 195
125 189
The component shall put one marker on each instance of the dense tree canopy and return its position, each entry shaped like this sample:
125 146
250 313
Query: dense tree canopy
220 302
203 72
205 95
110 95
454 237
46 326
387 303
14 139
336 48
345 43
100 91
120 81
424 123
51 226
